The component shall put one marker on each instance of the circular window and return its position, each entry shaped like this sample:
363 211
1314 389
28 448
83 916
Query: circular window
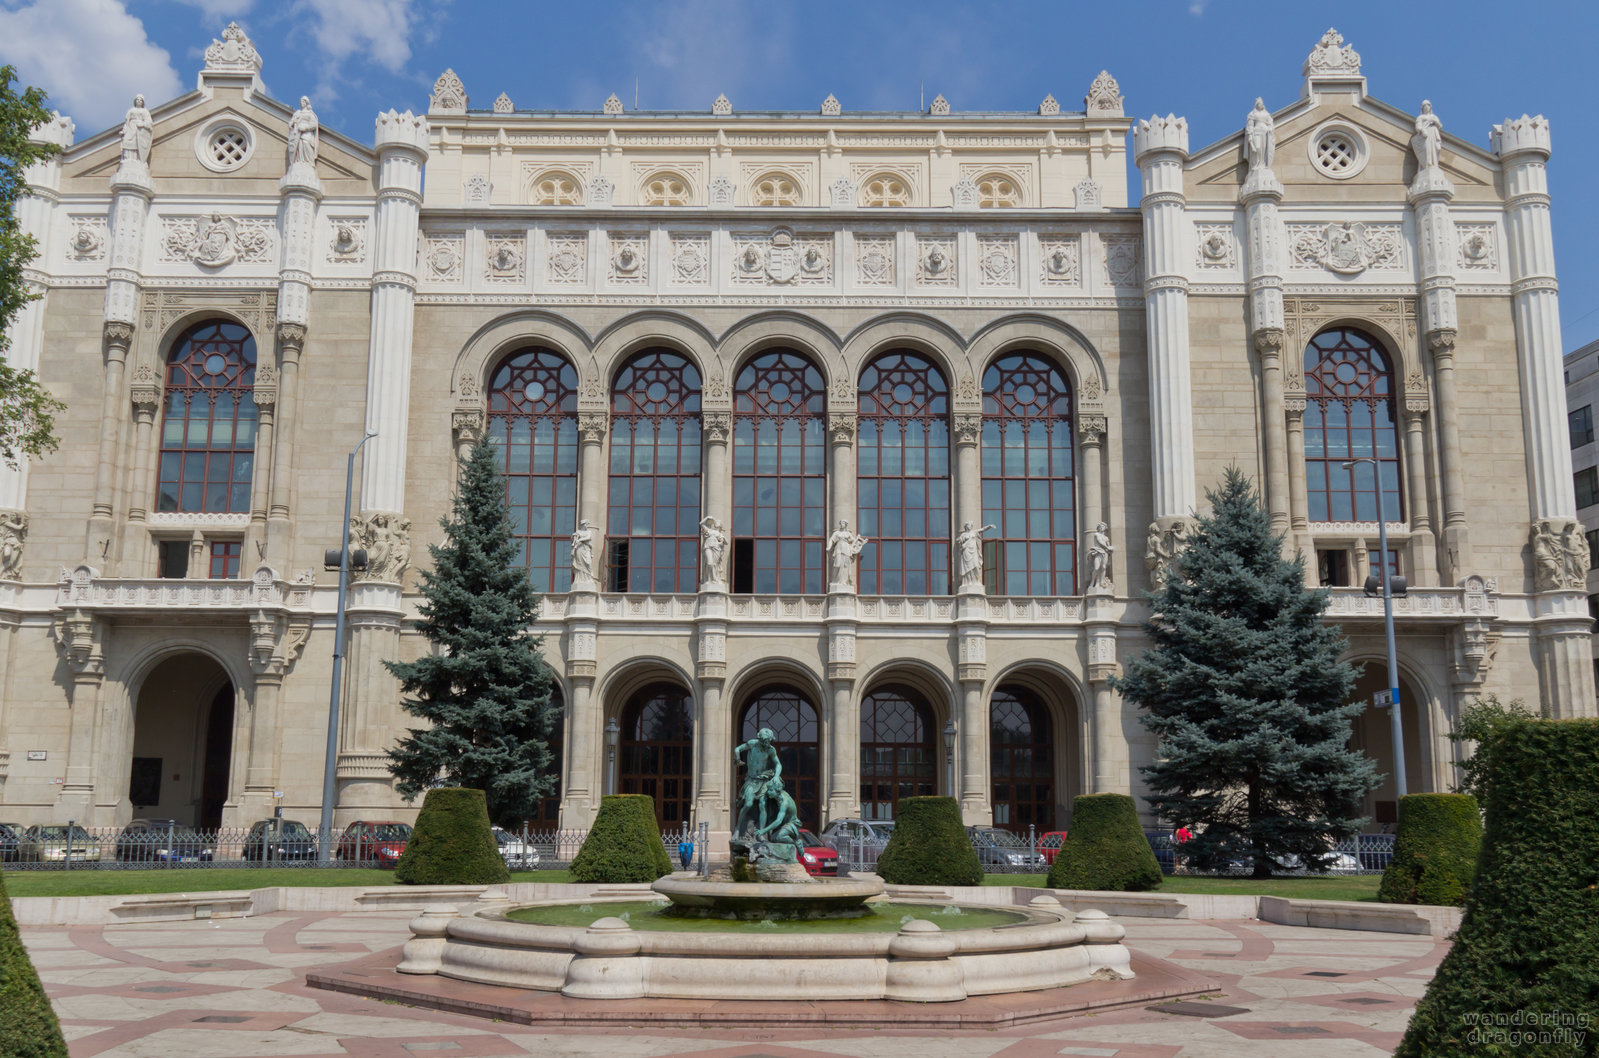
1338 151
224 144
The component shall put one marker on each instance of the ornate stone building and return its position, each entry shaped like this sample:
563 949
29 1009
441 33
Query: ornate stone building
872 428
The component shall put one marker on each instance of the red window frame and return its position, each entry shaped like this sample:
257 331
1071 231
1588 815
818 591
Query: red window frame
657 751
779 475
1029 477
532 420
654 510
903 476
208 429
1022 760
1350 412
899 757
792 716
225 556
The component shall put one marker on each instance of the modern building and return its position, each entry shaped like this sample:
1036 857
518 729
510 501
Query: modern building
1582 393
811 421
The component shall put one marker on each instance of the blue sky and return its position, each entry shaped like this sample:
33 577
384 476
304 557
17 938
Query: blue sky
1479 63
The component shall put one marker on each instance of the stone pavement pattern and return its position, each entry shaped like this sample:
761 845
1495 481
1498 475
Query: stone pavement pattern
234 988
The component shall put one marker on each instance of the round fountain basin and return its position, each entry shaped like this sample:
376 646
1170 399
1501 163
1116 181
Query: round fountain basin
882 916
821 898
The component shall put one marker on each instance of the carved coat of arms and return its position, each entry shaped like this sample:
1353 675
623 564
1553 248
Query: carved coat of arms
782 263
1345 248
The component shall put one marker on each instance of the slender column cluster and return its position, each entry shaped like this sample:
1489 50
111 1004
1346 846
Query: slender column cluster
1260 196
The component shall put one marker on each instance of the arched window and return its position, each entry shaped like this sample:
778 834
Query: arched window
898 757
208 430
654 539
556 189
884 189
903 476
792 718
997 191
779 475
1022 760
1028 478
1349 413
533 423
657 751
665 189
774 189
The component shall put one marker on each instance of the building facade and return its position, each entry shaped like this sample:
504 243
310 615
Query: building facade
871 428
1582 394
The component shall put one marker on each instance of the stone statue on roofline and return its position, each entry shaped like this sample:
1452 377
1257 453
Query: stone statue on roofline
1260 137
138 132
304 132
1429 137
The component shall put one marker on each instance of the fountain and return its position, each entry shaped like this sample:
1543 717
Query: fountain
763 929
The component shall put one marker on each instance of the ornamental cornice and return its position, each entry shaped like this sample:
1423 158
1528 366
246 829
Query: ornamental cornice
1166 282
1525 199
1529 284
394 277
1164 198
403 194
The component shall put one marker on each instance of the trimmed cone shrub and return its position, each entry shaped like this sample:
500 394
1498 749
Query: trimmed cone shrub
452 843
929 845
1435 853
624 844
1526 959
28 1027
1105 848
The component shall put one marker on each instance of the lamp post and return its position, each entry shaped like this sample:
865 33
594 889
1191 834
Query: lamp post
949 757
325 827
1388 625
613 735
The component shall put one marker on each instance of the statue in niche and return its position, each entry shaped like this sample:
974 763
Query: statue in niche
13 534
766 828
304 131
1099 552
1429 137
713 545
969 549
138 131
583 552
1260 137
844 547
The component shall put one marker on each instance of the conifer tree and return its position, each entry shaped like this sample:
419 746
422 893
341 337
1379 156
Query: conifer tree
485 689
1246 693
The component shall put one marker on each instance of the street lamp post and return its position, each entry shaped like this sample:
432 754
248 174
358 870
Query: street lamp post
613 735
949 757
325 827
1388 625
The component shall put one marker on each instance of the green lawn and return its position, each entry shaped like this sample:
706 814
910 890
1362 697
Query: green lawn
204 880
1350 887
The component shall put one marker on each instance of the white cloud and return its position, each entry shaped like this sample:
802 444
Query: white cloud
91 56
379 30
219 10
688 51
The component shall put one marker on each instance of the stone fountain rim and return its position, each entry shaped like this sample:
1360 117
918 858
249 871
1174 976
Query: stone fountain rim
840 889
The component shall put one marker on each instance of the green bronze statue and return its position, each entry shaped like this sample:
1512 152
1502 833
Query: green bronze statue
767 826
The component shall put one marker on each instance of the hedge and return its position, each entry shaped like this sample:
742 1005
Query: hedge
1526 958
624 844
1105 848
452 843
1435 852
929 845
28 1027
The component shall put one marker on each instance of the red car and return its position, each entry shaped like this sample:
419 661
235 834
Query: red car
815 857
379 844
1049 844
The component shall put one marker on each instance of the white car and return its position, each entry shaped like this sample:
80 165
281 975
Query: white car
518 855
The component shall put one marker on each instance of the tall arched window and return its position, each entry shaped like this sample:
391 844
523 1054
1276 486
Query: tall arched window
903 476
1349 413
533 422
654 511
1028 478
1022 760
898 757
208 430
779 475
657 751
792 718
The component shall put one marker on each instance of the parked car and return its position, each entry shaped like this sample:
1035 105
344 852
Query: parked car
1000 850
58 843
518 854
816 857
162 841
377 843
858 841
10 838
1049 844
279 839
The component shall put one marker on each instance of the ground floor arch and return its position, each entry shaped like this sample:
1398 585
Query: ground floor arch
1373 735
183 742
1021 746
792 717
656 750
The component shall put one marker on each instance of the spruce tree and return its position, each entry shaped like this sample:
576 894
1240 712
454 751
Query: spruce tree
1247 696
485 689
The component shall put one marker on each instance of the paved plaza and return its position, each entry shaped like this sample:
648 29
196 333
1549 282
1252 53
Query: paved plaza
235 988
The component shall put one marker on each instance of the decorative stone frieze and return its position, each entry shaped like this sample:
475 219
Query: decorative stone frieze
387 540
1164 544
215 241
1560 558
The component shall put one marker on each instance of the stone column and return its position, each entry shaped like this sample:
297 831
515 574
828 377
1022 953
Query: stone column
716 492
1263 258
1298 494
1111 771
972 725
711 744
468 427
1423 548
843 716
35 207
371 700
1161 149
592 429
584 780
1091 434
265 395
280 525
968 484
80 638
841 475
